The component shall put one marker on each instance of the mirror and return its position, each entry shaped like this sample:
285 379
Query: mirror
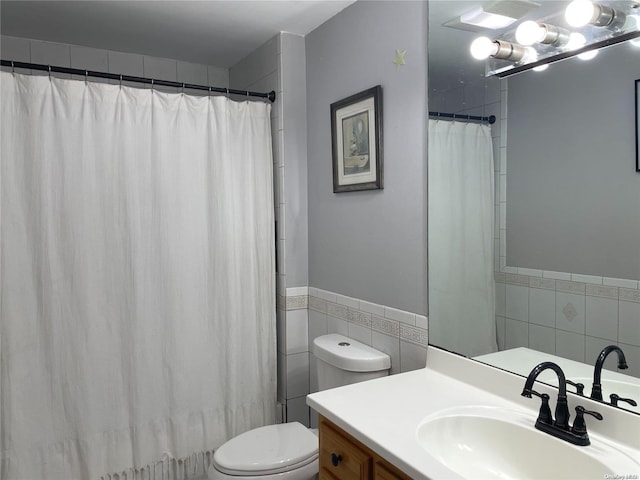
566 212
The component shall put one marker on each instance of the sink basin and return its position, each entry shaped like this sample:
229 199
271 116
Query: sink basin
487 442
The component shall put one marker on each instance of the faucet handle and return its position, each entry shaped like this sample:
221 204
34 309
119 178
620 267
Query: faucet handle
579 387
579 426
616 398
544 416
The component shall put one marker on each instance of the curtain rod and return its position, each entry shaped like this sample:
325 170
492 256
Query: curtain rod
271 96
456 116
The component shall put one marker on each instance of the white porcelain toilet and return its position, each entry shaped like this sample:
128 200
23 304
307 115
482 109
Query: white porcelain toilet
289 451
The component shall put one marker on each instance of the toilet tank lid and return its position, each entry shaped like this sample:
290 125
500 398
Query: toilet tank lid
348 354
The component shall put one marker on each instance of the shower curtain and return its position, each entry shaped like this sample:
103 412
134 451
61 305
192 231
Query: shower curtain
137 315
461 206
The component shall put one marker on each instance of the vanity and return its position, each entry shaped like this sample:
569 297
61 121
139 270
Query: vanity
459 418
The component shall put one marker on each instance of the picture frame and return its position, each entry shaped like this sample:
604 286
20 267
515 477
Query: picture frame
356 140
638 125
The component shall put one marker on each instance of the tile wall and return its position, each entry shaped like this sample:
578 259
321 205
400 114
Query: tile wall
73 56
312 312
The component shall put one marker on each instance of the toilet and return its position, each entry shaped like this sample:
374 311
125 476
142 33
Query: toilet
289 451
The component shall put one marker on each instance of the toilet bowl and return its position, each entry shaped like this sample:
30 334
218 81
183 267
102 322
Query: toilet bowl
289 451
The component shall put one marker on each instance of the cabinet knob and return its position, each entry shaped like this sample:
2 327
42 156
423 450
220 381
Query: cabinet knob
335 459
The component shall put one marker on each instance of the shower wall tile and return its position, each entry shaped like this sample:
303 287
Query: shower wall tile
571 345
217 76
192 73
412 356
516 333
122 63
570 312
581 317
256 65
542 338
517 302
601 315
297 375
298 411
48 53
629 323
297 331
16 49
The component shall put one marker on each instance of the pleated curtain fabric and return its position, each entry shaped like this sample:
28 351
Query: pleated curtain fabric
461 240
137 314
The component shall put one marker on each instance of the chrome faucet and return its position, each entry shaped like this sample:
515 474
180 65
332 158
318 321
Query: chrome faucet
596 389
560 426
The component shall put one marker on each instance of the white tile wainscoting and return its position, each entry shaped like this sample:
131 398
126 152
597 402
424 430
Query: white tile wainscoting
306 313
570 315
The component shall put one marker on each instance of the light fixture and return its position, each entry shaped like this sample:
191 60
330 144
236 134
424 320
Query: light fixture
541 68
483 48
531 32
481 18
583 12
588 55
547 39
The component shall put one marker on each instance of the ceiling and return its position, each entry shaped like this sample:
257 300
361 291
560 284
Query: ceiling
214 32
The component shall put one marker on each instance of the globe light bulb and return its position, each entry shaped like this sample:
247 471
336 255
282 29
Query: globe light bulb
482 48
588 55
579 13
541 68
576 41
529 32
530 55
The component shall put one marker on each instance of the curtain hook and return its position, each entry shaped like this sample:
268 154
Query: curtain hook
227 93
182 88
13 67
86 76
152 84
120 80
49 72
209 91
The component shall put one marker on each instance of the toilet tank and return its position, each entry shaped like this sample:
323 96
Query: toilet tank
341 361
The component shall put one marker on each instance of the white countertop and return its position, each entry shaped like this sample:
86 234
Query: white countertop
384 413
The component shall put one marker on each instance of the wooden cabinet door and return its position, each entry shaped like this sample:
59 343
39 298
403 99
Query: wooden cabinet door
383 471
341 459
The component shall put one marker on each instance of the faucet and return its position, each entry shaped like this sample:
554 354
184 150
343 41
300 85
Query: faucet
596 390
559 428
562 409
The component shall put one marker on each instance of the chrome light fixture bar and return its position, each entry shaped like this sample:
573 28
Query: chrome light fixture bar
536 43
568 54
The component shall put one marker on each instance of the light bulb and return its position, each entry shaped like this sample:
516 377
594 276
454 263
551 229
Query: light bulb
588 55
576 41
482 48
529 32
541 68
530 55
579 13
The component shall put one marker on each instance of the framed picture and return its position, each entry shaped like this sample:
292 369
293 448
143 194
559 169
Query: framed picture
638 125
356 138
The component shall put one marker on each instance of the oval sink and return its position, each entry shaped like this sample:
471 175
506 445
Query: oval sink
487 442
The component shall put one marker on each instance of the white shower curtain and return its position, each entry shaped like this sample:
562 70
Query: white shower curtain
461 206
138 302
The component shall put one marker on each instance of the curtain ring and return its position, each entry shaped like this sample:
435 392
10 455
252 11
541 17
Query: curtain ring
209 91
13 67
182 88
227 93
86 76
120 80
152 84
49 72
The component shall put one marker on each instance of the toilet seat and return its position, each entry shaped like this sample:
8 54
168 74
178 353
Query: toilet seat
267 450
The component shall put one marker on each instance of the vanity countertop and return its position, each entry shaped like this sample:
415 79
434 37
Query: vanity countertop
385 413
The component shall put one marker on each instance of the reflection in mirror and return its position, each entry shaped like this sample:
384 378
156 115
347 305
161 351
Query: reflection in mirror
541 260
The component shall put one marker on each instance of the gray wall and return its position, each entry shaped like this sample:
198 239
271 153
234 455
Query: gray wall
573 196
370 245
